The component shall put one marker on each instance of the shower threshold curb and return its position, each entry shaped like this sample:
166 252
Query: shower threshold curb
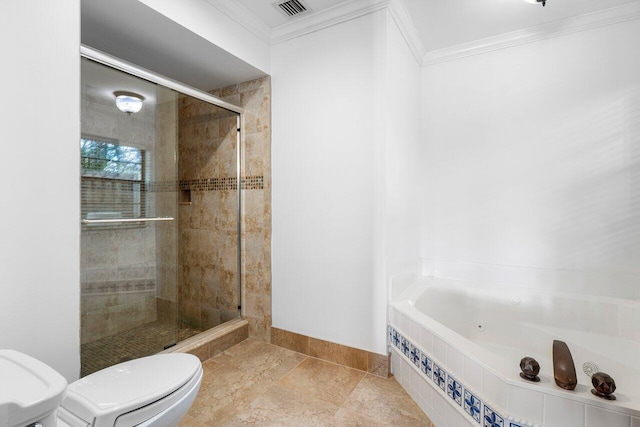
214 341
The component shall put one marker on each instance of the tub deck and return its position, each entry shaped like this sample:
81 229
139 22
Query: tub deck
478 335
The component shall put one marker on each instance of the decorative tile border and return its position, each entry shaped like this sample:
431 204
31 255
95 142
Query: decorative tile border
472 405
426 365
439 377
209 184
476 409
252 182
117 286
492 418
206 184
454 390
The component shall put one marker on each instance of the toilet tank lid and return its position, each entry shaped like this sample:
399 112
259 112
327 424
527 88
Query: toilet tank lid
130 385
29 389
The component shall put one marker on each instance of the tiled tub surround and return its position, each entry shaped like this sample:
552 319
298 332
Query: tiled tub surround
456 349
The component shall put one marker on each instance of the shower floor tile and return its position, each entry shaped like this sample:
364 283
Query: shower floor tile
137 342
259 384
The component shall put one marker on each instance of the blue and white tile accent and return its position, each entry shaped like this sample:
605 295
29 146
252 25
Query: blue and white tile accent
440 377
492 418
468 400
395 338
405 346
472 405
454 390
426 365
414 355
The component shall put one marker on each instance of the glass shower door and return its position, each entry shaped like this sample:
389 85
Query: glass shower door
129 235
160 238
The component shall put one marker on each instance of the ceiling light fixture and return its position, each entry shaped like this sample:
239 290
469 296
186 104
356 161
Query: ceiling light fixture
128 102
537 2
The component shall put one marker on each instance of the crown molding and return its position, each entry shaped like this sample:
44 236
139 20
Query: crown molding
244 17
407 27
587 21
350 10
326 18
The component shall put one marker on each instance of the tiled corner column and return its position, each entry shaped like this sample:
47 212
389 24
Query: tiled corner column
373 363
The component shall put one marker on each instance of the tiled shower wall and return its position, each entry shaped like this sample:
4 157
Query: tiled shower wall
208 278
255 97
206 270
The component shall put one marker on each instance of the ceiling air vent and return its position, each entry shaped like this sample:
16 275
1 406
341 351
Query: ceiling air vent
292 7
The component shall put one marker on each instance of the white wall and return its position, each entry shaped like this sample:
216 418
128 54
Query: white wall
214 26
39 264
532 163
403 156
326 86
338 108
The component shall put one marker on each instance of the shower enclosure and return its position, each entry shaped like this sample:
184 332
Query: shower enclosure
160 230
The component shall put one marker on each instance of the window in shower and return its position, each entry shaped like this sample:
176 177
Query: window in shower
112 180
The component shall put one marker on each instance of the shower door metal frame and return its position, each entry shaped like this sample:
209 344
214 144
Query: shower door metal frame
129 68
134 70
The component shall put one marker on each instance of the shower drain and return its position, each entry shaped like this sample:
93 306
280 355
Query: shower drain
589 368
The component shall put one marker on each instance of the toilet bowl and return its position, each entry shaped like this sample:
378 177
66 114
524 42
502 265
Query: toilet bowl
151 391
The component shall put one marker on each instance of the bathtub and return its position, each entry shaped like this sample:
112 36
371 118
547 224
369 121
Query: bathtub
456 348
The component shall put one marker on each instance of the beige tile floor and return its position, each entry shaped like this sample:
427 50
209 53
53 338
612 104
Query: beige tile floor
259 384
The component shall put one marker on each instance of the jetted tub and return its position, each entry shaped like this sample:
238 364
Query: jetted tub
456 347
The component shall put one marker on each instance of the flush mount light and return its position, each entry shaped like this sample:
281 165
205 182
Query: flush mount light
537 2
128 102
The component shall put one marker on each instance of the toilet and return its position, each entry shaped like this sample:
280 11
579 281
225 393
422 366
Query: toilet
151 391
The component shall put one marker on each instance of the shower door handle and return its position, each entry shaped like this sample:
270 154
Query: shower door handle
125 220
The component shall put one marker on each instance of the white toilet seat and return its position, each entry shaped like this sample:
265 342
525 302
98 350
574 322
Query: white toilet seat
152 391
134 392
172 415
